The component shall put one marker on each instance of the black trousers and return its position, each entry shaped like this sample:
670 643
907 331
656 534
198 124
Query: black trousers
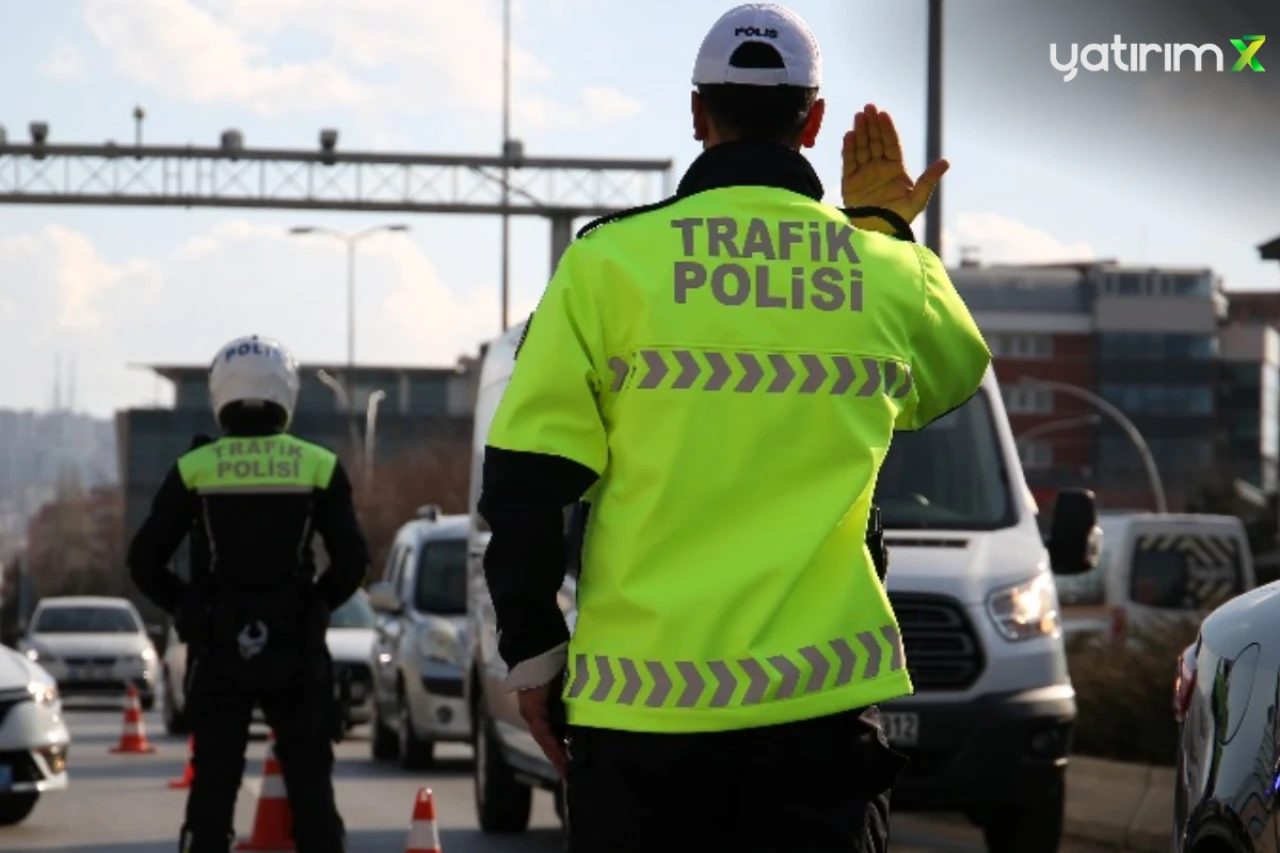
298 706
818 786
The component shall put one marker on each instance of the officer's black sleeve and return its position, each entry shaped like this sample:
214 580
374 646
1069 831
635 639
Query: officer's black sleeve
523 500
156 541
336 522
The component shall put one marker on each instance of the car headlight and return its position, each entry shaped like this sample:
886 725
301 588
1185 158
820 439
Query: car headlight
147 655
34 656
43 692
440 643
1025 610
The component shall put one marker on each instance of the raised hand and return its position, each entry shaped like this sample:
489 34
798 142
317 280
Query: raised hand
874 174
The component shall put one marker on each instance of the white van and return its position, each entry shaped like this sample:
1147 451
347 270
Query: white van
1157 565
969 576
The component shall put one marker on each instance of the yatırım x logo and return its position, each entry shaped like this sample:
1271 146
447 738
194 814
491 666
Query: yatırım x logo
1248 47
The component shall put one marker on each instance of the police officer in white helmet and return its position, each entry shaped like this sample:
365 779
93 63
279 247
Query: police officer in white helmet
254 612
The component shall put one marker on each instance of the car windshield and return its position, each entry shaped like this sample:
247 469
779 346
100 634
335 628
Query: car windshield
442 577
85 620
355 613
949 475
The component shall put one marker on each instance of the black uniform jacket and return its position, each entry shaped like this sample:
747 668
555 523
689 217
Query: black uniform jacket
247 542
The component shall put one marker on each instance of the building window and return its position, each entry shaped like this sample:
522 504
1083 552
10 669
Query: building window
1145 346
1028 401
1160 399
1035 454
1021 346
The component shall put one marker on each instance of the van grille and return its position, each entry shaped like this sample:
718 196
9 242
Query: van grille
943 651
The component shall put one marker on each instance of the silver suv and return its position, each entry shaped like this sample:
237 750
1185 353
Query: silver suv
418 653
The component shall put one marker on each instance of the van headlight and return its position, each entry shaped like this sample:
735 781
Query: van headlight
43 692
1025 610
440 643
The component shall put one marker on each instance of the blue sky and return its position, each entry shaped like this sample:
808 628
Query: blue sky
107 287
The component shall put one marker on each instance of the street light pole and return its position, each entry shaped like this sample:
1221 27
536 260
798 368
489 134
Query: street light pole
351 318
933 129
506 154
351 240
1144 450
1056 426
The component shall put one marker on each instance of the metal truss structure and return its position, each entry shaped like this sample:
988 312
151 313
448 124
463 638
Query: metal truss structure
188 176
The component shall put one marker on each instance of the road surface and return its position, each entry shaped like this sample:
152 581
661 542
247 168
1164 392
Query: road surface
122 803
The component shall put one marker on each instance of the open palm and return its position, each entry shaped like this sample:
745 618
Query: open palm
873 173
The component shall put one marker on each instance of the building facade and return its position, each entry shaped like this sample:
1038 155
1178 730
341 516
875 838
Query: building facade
1143 339
1249 402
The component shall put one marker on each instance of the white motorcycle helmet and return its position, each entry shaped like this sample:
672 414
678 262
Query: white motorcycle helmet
254 371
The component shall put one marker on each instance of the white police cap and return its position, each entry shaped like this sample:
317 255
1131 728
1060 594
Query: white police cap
775 25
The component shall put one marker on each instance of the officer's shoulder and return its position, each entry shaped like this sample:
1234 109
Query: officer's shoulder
594 227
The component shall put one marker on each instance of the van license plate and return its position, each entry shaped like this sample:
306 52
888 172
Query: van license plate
901 729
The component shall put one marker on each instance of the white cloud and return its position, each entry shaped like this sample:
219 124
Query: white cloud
65 60
606 104
999 239
234 279
380 56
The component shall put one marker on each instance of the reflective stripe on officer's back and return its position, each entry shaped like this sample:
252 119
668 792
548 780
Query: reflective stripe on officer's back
722 683
759 372
278 464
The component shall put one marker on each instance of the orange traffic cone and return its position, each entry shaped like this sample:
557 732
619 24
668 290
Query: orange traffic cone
423 837
273 824
188 772
134 737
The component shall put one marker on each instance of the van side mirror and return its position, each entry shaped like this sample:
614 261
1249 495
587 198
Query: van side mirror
1075 541
383 598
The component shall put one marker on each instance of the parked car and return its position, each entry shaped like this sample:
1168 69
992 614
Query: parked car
94 646
989 727
349 638
33 737
1157 565
1226 700
419 652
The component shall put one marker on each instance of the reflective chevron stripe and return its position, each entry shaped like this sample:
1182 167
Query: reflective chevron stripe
746 681
1212 563
682 369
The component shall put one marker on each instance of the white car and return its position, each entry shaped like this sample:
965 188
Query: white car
94 646
350 639
33 737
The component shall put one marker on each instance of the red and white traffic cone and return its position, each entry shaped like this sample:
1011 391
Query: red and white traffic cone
133 740
273 823
423 837
188 772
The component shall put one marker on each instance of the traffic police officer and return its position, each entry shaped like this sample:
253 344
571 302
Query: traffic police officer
724 371
254 614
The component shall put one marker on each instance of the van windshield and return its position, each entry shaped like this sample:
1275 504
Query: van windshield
949 475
